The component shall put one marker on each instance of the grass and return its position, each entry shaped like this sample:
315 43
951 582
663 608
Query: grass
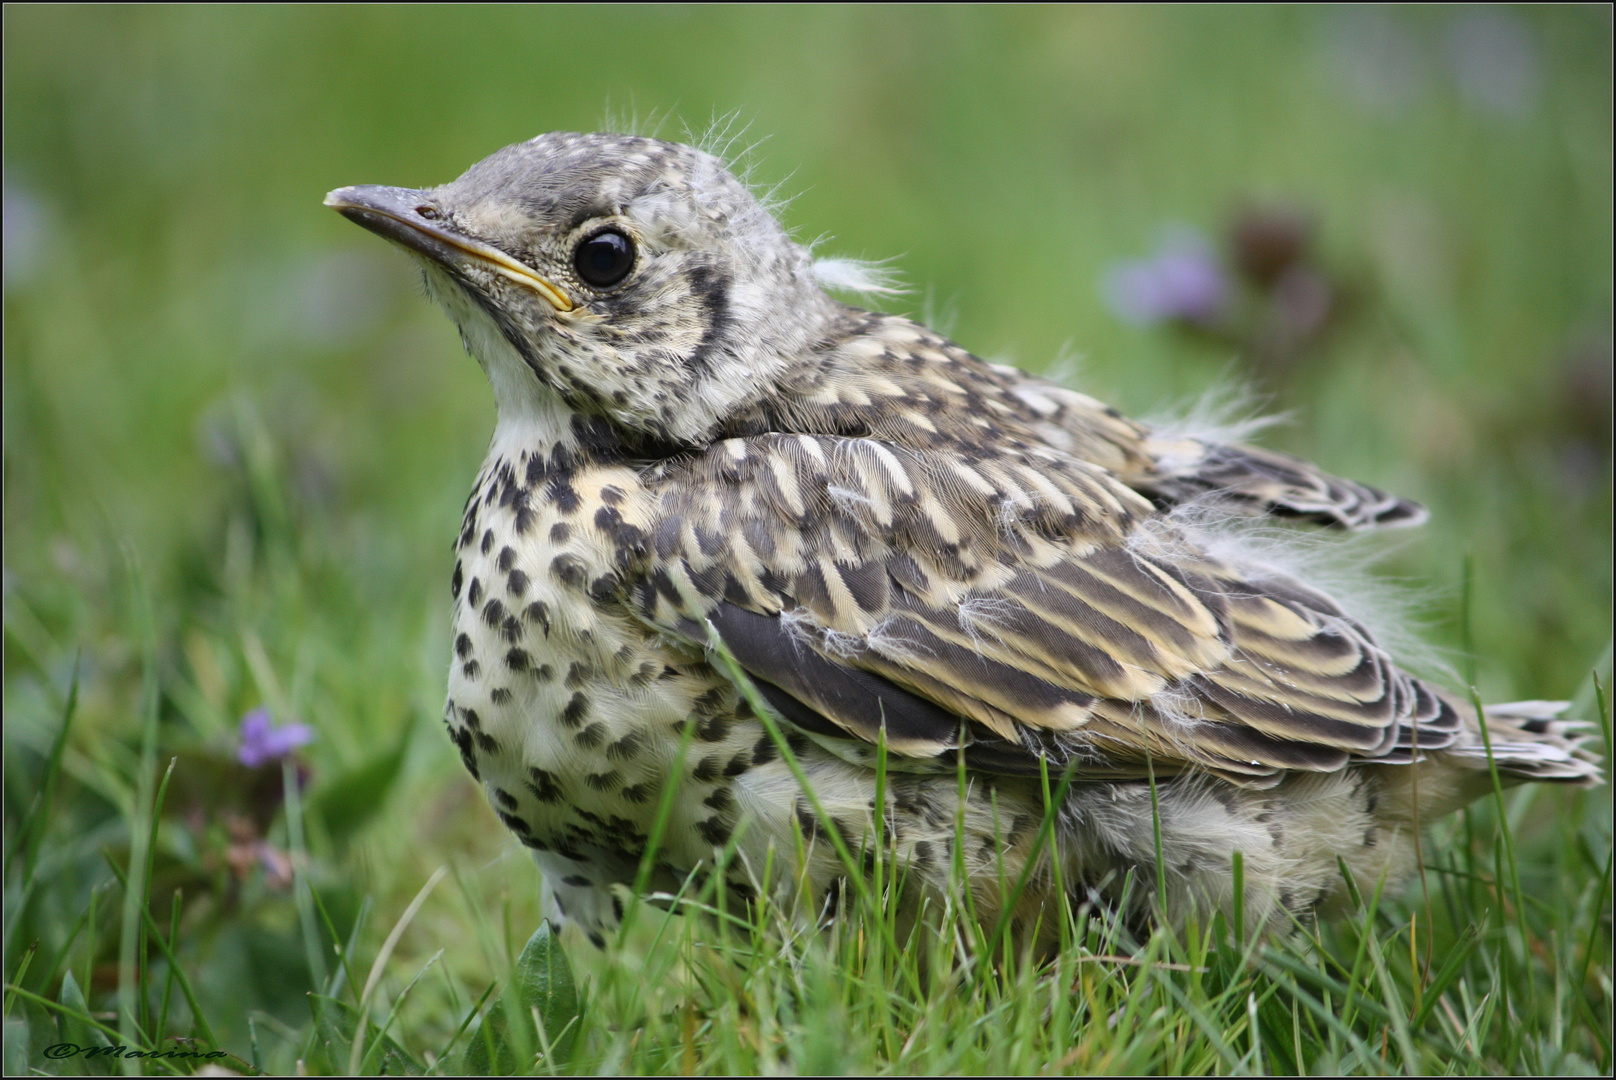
236 442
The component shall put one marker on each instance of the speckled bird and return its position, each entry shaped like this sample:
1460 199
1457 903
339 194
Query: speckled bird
699 451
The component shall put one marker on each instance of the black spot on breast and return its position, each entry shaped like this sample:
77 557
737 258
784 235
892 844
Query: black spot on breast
463 743
711 700
524 518
538 612
714 831
511 629
739 763
636 793
475 596
514 823
591 736
560 532
626 747
499 695
454 582
493 613
611 495
486 742
471 669
708 769
597 940
516 583
1370 837
462 646
577 708
560 492
517 660
603 587
604 781
507 558
544 673
535 844
720 799
712 729
577 881
578 674
569 570
764 751
506 799
488 541
544 785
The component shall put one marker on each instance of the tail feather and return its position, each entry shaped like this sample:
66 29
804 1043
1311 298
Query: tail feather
1529 741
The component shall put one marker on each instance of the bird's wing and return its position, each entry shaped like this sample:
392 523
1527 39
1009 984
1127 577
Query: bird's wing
1173 468
1018 602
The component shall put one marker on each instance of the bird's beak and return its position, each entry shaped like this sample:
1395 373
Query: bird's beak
407 217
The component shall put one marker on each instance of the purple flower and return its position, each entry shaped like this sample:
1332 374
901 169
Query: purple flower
1182 281
262 743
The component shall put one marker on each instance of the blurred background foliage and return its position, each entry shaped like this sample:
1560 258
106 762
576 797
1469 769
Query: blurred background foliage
227 405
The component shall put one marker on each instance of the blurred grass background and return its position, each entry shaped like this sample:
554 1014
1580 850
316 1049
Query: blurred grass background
226 403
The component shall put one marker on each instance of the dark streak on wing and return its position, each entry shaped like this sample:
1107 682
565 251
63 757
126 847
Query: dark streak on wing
1284 486
856 701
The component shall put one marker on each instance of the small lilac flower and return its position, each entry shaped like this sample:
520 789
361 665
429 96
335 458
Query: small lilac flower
1182 281
262 743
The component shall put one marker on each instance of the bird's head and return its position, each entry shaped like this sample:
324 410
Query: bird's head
635 280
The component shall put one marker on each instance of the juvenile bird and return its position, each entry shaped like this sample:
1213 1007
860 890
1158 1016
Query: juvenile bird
698 449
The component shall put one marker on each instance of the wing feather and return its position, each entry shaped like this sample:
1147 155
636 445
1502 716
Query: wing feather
1175 468
1016 604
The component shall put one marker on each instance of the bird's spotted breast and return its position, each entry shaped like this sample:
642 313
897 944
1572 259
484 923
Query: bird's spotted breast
569 711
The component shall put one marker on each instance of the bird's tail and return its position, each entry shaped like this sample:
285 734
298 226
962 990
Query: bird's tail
1529 741
1526 740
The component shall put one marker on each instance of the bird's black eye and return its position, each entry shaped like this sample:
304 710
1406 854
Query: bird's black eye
604 259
